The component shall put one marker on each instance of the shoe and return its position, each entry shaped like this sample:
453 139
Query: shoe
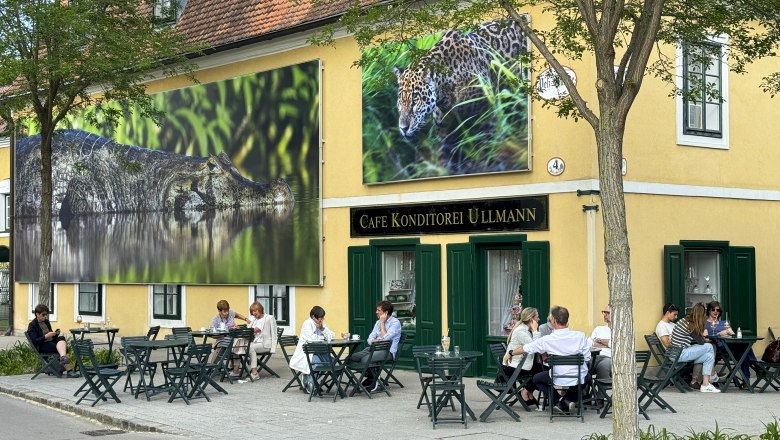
367 382
374 387
531 402
714 378
561 408
73 374
694 385
309 387
709 389
235 374
572 408
255 376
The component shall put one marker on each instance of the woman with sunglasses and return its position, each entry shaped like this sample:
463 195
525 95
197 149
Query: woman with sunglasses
717 327
47 340
714 325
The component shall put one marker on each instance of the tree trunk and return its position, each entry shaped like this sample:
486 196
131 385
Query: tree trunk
44 272
617 258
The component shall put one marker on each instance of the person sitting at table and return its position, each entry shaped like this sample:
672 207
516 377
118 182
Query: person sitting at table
717 327
313 329
665 326
689 334
264 327
524 332
224 320
48 341
562 342
386 328
602 340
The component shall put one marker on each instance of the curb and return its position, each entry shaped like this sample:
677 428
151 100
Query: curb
86 412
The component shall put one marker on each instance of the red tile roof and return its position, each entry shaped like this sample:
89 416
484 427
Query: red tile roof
222 22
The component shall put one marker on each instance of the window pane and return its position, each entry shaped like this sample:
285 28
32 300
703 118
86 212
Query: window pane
713 117
713 67
159 305
504 270
695 116
171 305
713 89
398 281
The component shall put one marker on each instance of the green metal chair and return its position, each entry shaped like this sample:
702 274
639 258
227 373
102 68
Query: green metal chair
97 380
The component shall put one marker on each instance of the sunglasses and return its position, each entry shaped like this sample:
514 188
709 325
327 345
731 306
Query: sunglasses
715 310
606 312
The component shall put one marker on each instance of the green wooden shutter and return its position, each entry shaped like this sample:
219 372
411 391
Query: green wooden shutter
428 293
460 296
674 280
360 291
741 300
536 276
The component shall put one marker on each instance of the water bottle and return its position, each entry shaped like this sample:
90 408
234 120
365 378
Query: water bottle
739 332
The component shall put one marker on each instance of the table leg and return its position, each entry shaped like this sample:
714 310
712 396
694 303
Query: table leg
111 336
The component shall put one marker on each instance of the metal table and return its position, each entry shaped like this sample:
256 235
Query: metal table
143 350
731 363
205 334
79 333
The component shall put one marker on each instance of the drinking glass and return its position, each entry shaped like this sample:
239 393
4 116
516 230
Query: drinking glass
445 343
78 320
108 321
457 350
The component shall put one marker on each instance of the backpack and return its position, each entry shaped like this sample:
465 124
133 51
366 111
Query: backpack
772 353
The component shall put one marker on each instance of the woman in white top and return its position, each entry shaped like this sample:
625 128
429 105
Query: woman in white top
265 338
524 332
313 329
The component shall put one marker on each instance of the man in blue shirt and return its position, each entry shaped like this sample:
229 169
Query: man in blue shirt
387 328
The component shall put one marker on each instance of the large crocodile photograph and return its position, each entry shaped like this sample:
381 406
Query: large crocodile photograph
199 199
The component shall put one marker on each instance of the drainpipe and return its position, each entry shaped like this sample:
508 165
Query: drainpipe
11 277
590 238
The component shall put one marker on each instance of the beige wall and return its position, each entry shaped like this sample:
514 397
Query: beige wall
654 220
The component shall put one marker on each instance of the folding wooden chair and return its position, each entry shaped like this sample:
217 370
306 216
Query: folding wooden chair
326 373
50 362
131 359
767 372
604 386
284 343
658 351
100 381
560 361
181 330
502 393
240 352
390 365
374 362
651 385
153 332
424 372
185 379
218 367
446 387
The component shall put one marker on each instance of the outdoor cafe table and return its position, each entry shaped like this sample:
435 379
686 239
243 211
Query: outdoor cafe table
143 350
468 356
79 333
731 363
205 334
342 345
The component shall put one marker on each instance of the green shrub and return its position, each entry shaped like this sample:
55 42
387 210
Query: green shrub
20 358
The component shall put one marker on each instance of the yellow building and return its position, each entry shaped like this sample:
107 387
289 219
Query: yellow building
453 252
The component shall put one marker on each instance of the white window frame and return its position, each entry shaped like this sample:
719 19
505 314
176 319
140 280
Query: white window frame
290 328
692 140
90 318
32 301
168 323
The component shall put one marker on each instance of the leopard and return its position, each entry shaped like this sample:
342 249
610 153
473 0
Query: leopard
441 84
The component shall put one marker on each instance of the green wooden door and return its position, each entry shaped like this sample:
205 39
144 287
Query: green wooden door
428 294
674 281
362 300
741 300
462 317
536 276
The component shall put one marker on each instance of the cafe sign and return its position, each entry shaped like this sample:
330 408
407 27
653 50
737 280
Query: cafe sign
497 215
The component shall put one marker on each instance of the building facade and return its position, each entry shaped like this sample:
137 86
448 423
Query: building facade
461 248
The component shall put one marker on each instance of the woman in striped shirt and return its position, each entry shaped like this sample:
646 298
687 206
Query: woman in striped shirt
689 334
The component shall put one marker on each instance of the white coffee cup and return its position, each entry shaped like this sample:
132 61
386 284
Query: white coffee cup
355 337
203 329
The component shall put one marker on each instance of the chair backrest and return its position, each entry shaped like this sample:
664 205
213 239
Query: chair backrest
421 363
657 349
84 352
287 341
153 332
130 355
641 359
196 354
226 350
448 371
30 341
669 365
243 336
568 360
324 355
181 330
279 332
377 347
771 334
497 352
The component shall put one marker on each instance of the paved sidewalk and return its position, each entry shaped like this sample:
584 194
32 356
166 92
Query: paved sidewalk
261 409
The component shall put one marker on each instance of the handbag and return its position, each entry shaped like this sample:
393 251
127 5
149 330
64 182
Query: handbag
772 353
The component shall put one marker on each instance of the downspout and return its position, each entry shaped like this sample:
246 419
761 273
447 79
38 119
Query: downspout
590 249
11 278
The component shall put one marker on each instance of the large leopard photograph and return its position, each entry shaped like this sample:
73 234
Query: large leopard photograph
459 109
